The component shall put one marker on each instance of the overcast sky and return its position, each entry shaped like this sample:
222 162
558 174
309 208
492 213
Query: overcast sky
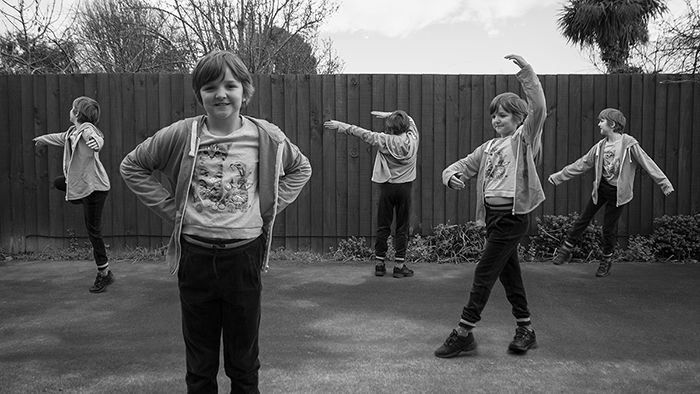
454 36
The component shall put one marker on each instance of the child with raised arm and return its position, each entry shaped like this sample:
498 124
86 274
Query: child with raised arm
394 172
84 179
615 159
507 189
226 177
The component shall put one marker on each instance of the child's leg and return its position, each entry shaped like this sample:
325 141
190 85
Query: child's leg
580 225
241 286
93 206
403 213
385 215
512 280
610 218
504 232
201 317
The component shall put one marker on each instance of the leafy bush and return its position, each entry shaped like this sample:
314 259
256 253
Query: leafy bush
677 237
353 248
552 231
639 248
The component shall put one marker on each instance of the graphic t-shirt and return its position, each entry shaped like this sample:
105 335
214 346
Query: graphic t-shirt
223 201
500 169
611 161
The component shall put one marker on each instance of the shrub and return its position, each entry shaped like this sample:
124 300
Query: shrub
353 248
639 248
677 237
552 231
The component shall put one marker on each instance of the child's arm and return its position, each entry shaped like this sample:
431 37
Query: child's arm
401 147
652 169
93 139
138 167
578 167
467 167
57 139
536 104
297 171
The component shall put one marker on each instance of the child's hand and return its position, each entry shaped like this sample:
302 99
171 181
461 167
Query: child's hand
456 183
668 191
39 142
334 124
517 59
551 179
381 114
93 144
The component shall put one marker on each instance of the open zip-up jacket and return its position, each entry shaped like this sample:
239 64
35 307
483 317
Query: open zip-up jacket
82 167
282 173
526 144
632 156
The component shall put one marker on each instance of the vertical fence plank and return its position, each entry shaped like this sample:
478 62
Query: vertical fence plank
695 155
549 143
684 179
366 202
479 112
316 142
648 128
378 92
562 193
341 159
415 96
660 141
635 127
16 188
670 166
451 144
155 223
353 157
328 188
304 135
427 165
291 214
439 146
41 163
137 129
6 228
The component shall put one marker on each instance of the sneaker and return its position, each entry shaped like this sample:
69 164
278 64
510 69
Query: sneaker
456 344
523 341
402 272
563 255
101 282
604 268
380 269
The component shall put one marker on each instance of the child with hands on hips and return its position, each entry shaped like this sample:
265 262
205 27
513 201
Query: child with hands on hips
394 172
508 189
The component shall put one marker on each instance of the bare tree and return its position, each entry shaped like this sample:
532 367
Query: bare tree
33 41
677 48
129 36
265 33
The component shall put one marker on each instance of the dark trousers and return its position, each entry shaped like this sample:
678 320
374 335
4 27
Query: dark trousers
393 197
93 206
499 260
607 196
220 296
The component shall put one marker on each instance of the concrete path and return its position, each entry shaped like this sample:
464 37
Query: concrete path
335 328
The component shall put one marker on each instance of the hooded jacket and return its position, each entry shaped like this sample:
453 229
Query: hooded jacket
397 155
82 167
526 144
632 156
282 173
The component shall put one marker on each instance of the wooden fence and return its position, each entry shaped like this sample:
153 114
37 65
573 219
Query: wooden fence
451 111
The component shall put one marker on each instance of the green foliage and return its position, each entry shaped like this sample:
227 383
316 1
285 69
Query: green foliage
677 237
639 248
552 231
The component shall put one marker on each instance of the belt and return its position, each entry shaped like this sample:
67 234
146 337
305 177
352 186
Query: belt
212 245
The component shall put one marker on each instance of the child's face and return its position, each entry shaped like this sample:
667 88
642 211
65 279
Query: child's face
222 98
606 128
504 122
73 115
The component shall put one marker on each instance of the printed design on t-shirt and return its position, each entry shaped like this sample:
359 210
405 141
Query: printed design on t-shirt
611 164
220 185
496 165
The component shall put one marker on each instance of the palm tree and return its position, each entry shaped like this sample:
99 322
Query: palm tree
614 26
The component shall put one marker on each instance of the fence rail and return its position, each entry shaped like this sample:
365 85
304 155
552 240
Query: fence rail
451 112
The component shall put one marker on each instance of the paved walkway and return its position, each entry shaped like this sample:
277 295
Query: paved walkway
335 328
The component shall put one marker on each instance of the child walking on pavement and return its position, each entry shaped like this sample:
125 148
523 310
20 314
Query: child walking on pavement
84 179
226 177
394 172
508 189
615 159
